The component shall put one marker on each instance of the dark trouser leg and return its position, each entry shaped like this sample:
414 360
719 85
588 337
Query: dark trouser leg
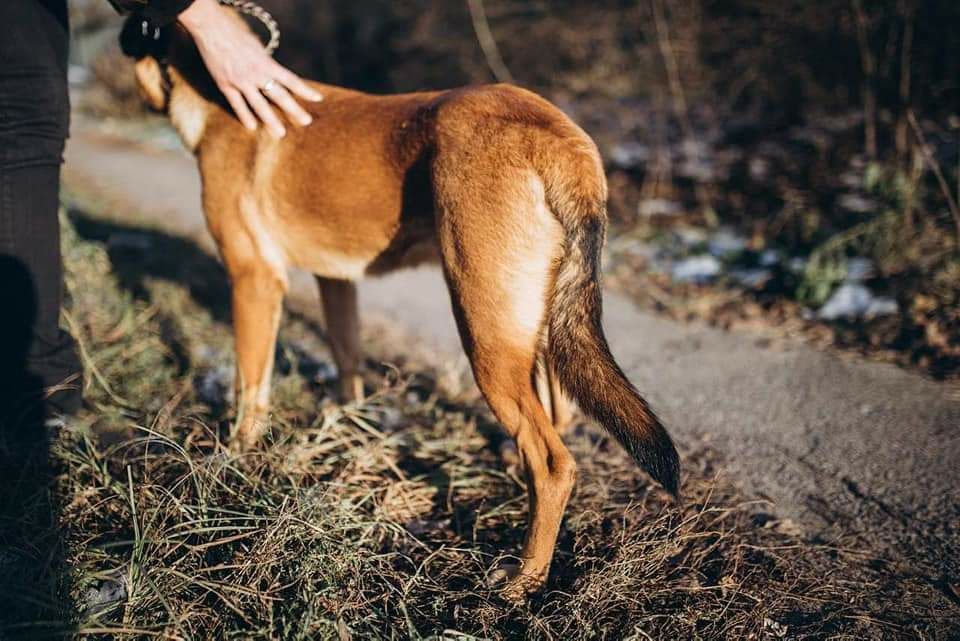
38 362
34 353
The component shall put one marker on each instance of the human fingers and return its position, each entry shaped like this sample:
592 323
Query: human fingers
279 95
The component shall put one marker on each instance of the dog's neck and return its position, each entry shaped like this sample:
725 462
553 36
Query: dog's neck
188 109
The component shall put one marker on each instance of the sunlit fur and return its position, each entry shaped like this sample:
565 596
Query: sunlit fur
494 183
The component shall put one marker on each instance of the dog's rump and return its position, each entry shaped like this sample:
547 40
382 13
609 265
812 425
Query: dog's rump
512 132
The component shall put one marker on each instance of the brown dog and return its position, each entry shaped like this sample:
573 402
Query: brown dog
493 182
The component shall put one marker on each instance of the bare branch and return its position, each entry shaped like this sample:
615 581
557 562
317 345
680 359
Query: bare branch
487 43
869 72
935 167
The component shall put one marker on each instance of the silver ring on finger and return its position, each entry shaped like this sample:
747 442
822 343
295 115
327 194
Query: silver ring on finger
269 86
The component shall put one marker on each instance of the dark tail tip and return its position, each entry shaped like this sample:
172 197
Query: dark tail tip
660 460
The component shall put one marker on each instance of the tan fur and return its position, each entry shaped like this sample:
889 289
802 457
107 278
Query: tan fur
482 179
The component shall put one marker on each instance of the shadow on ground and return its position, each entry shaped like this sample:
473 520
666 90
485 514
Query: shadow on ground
34 578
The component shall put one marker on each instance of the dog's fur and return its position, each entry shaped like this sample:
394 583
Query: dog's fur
493 182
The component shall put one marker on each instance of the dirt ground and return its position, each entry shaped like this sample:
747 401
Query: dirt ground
851 455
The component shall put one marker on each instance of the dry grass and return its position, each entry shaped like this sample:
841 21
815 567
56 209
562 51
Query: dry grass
381 520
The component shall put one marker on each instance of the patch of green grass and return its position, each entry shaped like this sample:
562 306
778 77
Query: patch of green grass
381 520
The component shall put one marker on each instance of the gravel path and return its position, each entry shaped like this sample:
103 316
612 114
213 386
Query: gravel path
837 445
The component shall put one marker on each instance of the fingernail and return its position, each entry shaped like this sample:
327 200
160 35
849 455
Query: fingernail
316 97
306 120
280 133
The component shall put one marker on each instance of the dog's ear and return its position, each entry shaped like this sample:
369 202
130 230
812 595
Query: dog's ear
151 82
148 44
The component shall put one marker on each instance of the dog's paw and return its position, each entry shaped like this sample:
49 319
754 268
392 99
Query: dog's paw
243 442
238 446
514 585
505 572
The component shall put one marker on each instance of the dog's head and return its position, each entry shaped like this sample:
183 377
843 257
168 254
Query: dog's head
151 47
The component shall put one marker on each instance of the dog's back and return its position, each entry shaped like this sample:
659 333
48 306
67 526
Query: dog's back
353 194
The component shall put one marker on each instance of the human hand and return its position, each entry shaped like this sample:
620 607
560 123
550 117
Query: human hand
244 72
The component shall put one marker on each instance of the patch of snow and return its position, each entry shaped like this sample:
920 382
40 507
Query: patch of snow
658 207
856 203
769 258
629 154
797 264
751 277
632 246
694 148
698 169
853 300
690 236
726 242
851 179
758 168
77 75
696 269
859 269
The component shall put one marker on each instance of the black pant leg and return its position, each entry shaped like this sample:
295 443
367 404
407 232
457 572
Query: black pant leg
35 354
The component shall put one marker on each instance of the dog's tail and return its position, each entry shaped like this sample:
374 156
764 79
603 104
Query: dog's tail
577 348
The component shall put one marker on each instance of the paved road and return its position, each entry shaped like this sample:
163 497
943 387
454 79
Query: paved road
835 444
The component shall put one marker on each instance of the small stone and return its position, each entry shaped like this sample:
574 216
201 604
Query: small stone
318 371
110 591
389 418
775 628
419 527
214 386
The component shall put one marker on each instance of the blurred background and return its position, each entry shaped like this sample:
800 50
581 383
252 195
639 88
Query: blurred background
792 165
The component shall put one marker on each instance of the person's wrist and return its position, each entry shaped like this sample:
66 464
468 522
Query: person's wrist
199 13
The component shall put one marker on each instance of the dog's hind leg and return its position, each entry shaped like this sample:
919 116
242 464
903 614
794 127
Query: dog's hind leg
499 254
339 298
